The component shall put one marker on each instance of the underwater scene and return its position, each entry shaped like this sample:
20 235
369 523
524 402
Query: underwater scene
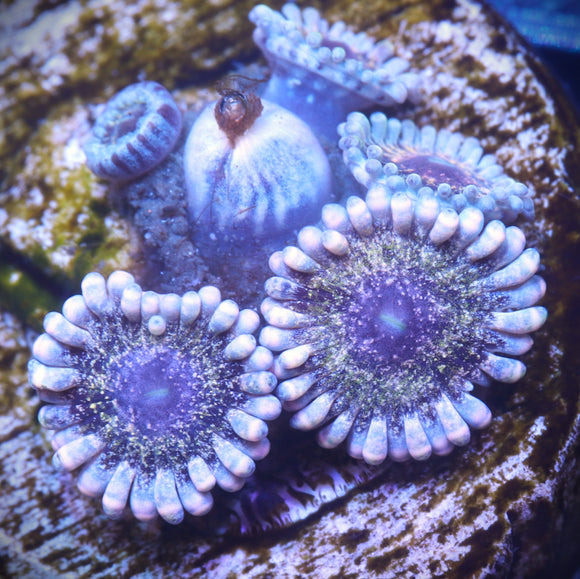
288 290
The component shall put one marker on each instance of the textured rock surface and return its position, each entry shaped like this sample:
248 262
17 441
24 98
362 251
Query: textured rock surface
508 505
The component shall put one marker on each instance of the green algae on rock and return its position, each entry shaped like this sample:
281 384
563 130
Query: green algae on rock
55 214
22 294
48 54
486 510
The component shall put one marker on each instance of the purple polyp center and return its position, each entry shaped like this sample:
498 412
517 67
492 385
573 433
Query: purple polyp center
389 319
126 123
435 171
151 386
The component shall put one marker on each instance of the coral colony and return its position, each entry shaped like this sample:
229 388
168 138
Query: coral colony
379 321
